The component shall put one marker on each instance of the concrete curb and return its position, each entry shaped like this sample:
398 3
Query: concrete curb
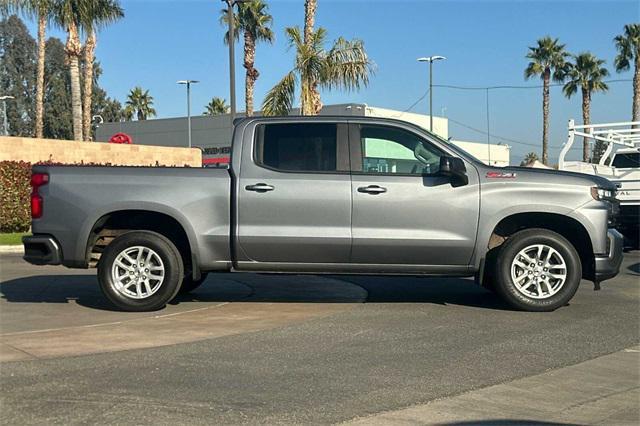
12 249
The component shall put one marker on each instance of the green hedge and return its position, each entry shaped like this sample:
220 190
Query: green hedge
15 190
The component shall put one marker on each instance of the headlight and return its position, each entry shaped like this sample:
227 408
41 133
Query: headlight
602 194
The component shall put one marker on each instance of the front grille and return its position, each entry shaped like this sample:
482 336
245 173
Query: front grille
614 213
629 215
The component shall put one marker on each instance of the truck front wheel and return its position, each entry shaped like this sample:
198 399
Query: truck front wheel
140 271
537 270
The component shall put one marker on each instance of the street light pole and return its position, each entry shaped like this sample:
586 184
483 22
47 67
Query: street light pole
431 96
5 122
430 59
232 62
188 84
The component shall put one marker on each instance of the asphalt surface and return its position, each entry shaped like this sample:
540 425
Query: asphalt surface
378 344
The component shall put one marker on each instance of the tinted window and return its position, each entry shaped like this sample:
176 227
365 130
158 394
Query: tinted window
626 161
298 147
388 150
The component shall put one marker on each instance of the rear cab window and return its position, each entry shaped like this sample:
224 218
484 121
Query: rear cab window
628 160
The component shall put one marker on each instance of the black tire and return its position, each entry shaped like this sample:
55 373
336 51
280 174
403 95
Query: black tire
167 288
188 283
506 288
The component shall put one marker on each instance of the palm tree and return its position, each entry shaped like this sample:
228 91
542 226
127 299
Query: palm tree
140 103
548 60
99 13
628 45
216 106
70 15
530 158
345 66
43 11
254 21
587 74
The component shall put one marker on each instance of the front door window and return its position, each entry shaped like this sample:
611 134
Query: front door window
388 150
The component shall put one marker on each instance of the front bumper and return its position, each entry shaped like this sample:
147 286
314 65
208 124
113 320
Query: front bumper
41 249
607 266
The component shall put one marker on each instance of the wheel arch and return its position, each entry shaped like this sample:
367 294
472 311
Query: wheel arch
566 226
110 225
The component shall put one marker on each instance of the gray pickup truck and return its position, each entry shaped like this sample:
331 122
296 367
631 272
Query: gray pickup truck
328 195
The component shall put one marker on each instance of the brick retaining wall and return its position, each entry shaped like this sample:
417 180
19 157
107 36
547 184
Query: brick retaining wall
35 150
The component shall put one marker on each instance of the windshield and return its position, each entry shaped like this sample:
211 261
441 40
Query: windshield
628 160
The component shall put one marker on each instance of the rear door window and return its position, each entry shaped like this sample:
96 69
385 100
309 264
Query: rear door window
307 147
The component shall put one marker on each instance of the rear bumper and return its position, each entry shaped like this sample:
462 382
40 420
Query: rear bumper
608 266
42 250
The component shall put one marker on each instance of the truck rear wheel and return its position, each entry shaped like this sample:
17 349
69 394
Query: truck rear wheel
537 270
140 271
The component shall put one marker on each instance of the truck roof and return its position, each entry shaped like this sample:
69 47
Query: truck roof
239 120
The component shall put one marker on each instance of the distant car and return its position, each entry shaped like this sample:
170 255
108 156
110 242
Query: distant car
339 195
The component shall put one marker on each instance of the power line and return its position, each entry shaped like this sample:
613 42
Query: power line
412 105
484 132
451 86
486 89
503 138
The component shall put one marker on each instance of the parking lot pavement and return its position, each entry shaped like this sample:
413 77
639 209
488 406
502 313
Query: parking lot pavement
309 350
62 312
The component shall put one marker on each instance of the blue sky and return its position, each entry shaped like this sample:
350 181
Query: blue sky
161 41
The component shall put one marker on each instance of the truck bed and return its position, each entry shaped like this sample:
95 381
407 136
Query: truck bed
78 199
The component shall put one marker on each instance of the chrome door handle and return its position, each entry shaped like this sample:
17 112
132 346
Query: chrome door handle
259 187
372 189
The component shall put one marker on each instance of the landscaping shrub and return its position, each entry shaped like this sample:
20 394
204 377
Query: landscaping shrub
15 190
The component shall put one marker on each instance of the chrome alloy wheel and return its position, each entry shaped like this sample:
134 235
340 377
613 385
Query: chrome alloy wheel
137 272
538 271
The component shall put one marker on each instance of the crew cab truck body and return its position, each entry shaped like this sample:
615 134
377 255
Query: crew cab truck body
339 195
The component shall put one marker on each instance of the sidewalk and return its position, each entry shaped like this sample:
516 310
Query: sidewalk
604 390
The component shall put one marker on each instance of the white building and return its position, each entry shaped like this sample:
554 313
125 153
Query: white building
495 155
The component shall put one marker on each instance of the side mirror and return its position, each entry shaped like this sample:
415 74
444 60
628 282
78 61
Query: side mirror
454 168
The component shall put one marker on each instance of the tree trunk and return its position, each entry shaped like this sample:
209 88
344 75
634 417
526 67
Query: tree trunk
315 98
586 119
306 102
89 56
252 74
545 116
309 19
42 39
73 50
314 104
636 91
